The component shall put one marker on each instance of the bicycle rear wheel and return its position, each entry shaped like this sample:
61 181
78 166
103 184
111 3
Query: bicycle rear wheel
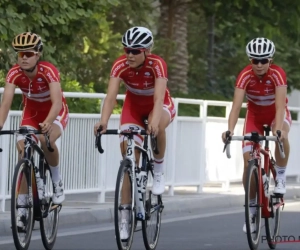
21 212
49 211
125 171
253 234
152 223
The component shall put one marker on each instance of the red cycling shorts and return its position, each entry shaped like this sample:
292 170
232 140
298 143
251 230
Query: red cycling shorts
31 118
255 122
133 114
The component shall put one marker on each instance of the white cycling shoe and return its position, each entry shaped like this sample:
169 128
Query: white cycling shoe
158 187
252 225
279 187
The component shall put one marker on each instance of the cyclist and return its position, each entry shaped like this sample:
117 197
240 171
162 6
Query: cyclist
147 95
44 106
265 86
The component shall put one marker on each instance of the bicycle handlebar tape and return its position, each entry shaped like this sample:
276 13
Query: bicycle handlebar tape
98 143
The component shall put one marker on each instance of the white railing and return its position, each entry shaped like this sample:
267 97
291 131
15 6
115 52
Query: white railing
193 157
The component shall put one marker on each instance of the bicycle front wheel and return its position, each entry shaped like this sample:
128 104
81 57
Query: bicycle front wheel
49 212
272 224
252 210
21 207
152 223
125 174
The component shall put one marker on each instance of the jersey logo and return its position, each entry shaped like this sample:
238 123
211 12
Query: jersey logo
146 84
268 82
267 90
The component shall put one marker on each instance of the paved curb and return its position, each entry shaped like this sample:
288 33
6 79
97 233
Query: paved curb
174 206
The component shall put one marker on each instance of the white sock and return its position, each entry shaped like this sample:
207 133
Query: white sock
280 172
22 200
125 212
159 165
252 209
55 173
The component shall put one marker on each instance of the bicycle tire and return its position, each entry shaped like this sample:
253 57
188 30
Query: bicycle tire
21 170
272 232
153 207
51 211
252 242
125 167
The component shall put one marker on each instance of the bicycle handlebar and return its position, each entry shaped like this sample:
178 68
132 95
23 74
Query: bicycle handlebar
26 131
126 133
255 138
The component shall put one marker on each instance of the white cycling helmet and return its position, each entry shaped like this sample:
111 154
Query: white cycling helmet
260 48
137 38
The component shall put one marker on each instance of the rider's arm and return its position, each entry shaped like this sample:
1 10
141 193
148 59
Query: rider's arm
159 95
110 99
236 107
56 99
280 103
8 96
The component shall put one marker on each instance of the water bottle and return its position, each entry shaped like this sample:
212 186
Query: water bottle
265 181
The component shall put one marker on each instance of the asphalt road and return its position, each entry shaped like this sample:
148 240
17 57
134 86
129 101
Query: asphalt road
208 230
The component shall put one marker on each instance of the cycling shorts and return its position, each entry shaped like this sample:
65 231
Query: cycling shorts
134 113
255 122
31 118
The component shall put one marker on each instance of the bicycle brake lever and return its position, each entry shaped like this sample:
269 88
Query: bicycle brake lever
154 144
48 143
228 138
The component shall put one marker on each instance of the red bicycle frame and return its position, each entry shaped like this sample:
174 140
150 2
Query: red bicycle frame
264 202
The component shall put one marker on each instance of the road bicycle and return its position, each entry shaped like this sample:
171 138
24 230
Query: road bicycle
267 205
27 205
145 206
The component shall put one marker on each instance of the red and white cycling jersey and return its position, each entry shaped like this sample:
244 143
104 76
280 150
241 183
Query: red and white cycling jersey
140 83
261 99
261 92
36 92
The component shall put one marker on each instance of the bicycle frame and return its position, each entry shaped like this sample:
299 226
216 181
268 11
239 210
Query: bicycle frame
131 157
256 152
29 147
264 202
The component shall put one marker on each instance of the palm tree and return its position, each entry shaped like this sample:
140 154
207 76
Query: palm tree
172 32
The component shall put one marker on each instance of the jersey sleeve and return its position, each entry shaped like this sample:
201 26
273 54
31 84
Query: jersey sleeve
51 73
12 75
279 77
160 68
243 78
118 67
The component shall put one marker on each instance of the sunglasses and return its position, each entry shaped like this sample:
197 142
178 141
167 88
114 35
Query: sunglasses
133 51
28 54
262 61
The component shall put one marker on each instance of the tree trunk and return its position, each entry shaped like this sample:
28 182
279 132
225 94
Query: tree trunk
173 31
